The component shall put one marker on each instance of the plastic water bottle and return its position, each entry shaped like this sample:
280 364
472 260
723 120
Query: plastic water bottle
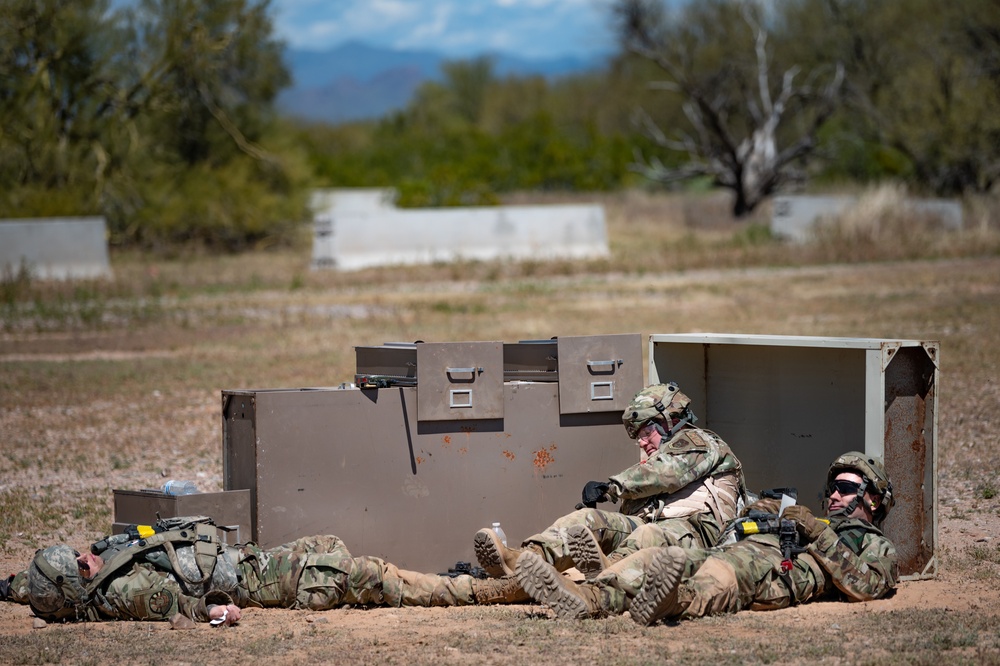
178 487
499 532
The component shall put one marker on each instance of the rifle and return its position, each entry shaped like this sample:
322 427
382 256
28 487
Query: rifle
131 533
761 522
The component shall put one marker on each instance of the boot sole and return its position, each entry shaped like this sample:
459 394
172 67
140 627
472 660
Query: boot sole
658 595
585 551
546 586
487 547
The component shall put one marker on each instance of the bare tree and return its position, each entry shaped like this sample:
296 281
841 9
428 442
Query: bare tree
734 124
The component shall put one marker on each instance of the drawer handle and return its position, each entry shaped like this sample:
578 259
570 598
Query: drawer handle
605 364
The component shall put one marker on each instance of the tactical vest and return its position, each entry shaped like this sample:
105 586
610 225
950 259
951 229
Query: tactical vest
198 533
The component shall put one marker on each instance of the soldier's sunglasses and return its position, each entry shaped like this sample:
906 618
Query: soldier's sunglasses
843 487
82 565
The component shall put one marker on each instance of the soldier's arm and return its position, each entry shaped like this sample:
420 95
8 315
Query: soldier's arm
862 576
147 594
15 588
668 470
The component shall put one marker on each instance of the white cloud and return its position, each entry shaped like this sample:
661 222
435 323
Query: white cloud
459 28
428 29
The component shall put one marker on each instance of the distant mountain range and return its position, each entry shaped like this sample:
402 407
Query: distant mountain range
356 81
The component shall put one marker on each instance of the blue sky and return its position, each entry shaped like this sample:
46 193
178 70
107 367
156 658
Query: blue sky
458 28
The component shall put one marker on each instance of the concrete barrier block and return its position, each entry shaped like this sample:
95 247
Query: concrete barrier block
794 217
58 248
360 229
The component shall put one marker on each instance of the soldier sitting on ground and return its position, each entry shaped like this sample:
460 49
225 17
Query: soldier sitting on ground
844 556
684 492
183 568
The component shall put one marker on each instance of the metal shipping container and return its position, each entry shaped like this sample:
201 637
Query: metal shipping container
790 405
444 439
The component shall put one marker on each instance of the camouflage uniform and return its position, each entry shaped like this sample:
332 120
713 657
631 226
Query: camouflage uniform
851 558
319 573
315 573
682 495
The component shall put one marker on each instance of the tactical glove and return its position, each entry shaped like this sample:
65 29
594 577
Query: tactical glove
806 523
5 588
594 492
766 505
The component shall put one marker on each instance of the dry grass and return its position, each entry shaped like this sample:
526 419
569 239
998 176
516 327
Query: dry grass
116 385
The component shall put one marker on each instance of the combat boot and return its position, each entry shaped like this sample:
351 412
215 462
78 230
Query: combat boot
504 590
567 598
588 558
497 559
658 596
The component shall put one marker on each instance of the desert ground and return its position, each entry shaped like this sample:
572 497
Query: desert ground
116 385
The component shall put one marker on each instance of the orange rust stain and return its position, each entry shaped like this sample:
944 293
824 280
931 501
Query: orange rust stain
463 450
447 439
542 459
420 459
508 455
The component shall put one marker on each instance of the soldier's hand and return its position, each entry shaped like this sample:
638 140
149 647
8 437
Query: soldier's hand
594 492
5 587
766 505
227 615
806 523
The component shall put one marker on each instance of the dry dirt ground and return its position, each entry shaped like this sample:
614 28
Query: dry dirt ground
954 617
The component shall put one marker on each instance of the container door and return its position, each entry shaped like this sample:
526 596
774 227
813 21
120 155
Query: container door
598 373
459 381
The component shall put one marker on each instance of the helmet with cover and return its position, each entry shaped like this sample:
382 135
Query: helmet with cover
55 590
659 404
874 480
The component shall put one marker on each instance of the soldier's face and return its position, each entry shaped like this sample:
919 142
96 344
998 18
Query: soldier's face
89 564
844 493
648 439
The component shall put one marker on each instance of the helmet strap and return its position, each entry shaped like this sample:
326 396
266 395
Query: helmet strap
687 418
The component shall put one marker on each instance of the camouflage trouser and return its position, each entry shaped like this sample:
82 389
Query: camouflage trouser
610 528
701 531
330 576
745 575
625 535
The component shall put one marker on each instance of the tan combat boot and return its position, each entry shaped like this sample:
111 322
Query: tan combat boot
547 586
658 596
588 558
497 559
504 590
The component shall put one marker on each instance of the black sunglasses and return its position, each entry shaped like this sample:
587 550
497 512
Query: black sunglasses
83 566
843 487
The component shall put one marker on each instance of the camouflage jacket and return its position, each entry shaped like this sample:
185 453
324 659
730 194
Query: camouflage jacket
148 587
691 456
850 557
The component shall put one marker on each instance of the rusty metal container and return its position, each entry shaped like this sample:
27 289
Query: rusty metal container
229 510
447 438
790 405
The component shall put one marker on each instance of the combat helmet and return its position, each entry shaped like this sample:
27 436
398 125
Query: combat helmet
659 404
55 590
873 480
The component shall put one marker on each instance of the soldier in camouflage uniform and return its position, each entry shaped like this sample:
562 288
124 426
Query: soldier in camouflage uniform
687 488
845 556
155 578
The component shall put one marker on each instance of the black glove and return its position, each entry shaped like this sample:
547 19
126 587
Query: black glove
5 588
594 492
